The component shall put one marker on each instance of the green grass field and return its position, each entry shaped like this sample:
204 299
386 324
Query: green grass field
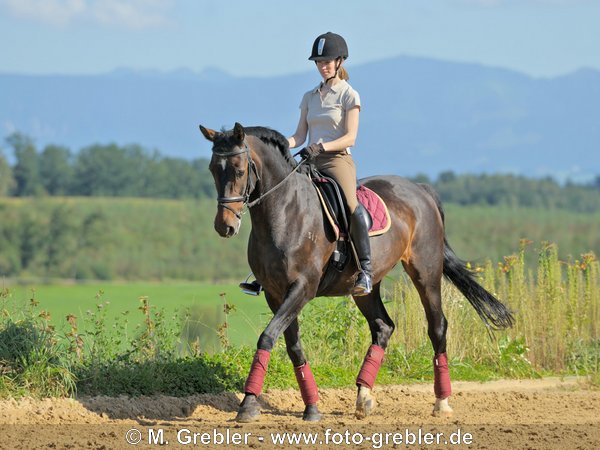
203 302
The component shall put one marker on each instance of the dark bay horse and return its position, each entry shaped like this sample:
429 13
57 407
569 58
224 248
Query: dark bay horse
290 245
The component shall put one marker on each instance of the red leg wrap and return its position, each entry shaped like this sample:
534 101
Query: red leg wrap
441 383
307 383
371 364
258 370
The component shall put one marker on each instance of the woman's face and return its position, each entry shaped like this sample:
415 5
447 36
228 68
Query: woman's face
326 68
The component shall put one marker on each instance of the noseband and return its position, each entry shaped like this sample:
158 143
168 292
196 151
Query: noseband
222 201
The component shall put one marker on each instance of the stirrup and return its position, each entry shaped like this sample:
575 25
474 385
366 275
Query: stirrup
250 288
363 285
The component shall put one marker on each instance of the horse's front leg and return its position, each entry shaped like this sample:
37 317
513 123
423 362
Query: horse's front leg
304 376
284 320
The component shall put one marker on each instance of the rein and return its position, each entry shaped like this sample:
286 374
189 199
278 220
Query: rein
222 201
277 186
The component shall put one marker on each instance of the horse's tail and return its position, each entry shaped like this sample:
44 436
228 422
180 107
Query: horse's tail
489 308
493 313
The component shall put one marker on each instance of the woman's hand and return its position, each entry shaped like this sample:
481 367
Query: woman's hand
312 151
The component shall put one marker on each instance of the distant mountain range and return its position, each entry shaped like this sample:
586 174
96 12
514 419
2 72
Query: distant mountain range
418 115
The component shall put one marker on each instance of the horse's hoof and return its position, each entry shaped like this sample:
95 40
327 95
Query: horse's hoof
311 414
365 403
247 416
442 408
249 410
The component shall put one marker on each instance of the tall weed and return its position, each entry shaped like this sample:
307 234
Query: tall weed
556 306
31 360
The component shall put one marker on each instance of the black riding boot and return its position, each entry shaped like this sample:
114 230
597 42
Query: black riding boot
360 222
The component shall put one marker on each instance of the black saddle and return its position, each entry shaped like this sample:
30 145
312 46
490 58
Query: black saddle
336 204
334 200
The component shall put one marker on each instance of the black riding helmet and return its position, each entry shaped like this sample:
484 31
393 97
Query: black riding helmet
329 46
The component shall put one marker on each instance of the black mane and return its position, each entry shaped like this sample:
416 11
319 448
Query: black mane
274 138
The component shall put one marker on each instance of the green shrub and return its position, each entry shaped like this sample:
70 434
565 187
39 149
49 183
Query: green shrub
30 357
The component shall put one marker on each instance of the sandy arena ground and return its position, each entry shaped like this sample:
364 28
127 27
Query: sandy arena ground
530 414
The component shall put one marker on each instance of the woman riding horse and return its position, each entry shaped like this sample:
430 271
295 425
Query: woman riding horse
329 116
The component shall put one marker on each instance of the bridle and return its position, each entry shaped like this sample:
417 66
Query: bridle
250 185
222 201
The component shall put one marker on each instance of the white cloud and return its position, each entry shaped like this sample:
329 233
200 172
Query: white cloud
54 12
131 14
135 14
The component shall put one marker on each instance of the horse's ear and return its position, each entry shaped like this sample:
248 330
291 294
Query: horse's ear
238 133
208 133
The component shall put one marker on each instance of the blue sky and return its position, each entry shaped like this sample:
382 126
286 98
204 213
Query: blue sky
542 38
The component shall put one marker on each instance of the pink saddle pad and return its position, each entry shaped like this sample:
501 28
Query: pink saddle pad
376 207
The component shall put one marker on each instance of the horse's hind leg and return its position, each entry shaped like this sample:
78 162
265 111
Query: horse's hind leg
427 278
381 327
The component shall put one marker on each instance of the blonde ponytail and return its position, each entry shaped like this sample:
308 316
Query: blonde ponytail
343 73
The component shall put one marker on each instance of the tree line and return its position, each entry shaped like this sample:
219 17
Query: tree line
116 238
100 170
131 171
516 191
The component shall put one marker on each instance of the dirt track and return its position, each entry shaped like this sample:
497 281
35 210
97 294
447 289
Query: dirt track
532 414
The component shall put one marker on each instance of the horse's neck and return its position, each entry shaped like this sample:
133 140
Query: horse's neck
281 190
273 171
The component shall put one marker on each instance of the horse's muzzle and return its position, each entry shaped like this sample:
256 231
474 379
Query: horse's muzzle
227 225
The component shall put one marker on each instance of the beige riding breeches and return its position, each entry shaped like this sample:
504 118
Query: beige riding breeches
340 166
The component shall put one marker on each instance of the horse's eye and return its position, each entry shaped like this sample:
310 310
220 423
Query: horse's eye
239 173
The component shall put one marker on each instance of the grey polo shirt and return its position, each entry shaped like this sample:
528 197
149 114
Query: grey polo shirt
327 117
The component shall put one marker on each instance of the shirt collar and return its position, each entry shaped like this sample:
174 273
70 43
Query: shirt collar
335 88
